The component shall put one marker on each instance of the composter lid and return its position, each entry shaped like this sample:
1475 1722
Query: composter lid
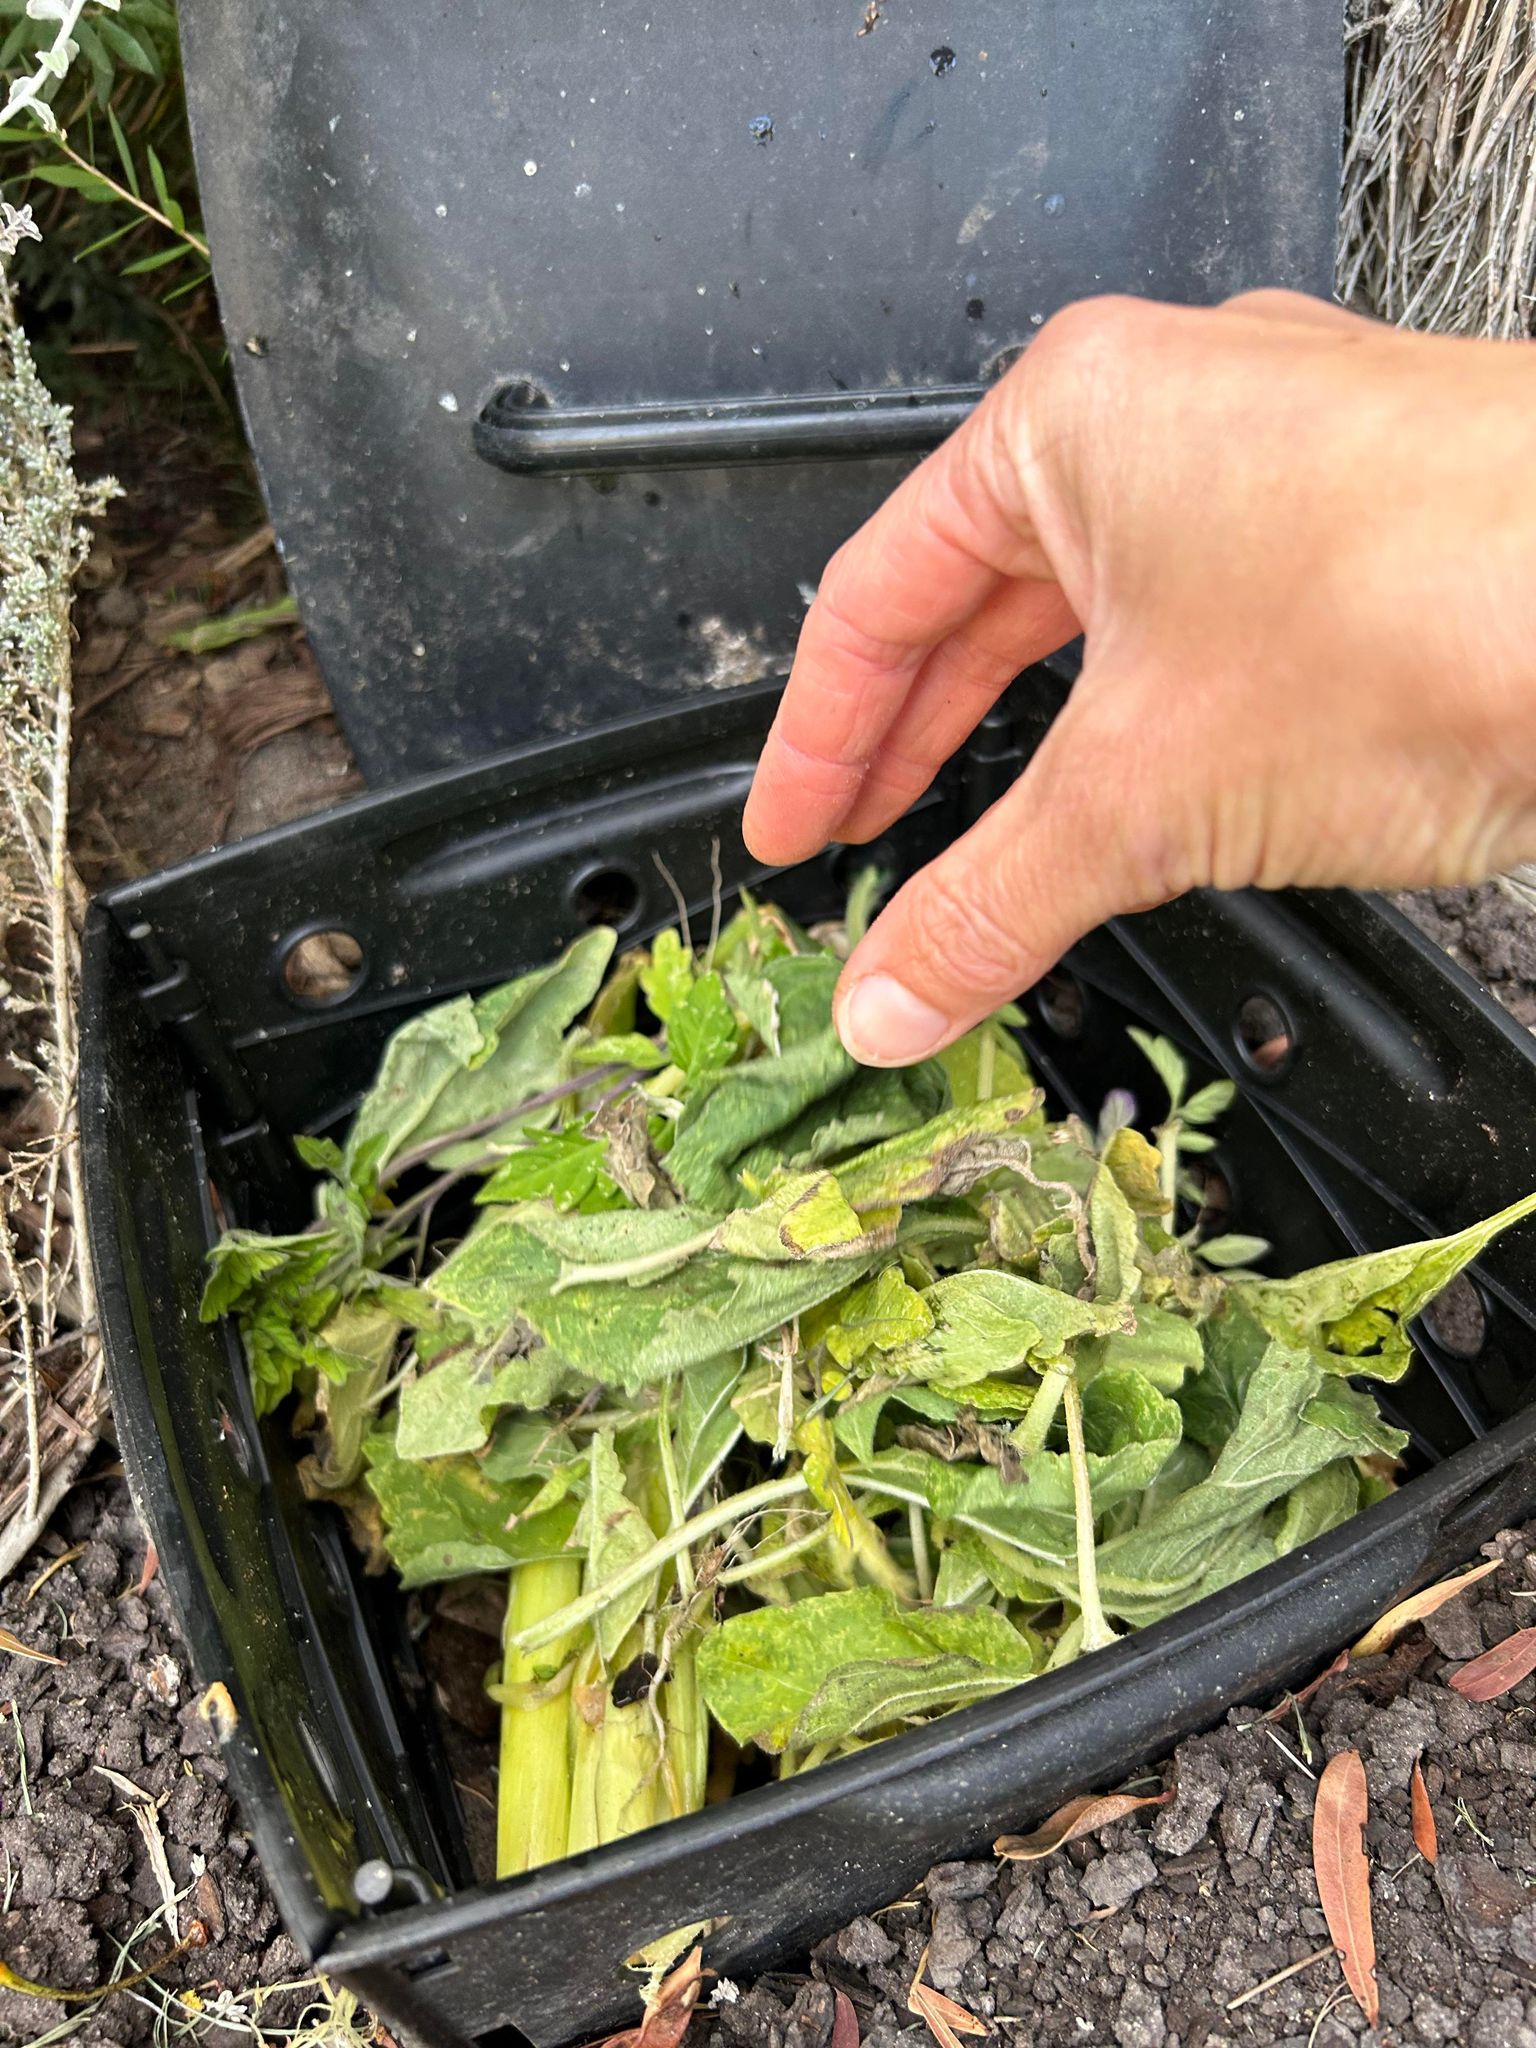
573 335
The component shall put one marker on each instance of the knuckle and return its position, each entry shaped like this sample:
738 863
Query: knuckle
1092 338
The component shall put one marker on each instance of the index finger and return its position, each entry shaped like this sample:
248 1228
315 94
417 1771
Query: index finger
916 573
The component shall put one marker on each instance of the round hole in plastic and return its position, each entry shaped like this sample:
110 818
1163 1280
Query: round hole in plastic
1457 1318
321 967
607 896
1264 1034
1063 1003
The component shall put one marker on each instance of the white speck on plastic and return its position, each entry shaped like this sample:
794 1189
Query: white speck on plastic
709 330
410 334
331 124
702 289
419 651
448 402
565 362
529 168
725 1992
1238 115
441 211
583 190
618 206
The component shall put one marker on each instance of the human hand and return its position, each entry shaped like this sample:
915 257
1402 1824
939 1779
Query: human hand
1302 549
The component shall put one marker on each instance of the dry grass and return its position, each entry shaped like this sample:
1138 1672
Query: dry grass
1438 221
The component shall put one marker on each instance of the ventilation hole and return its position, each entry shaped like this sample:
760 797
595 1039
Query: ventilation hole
606 896
1063 1003
322 968
1264 1035
1457 1319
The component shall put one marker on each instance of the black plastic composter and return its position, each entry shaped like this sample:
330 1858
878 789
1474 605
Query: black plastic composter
491 273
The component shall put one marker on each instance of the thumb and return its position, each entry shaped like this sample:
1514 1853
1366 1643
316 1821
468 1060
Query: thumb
1079 838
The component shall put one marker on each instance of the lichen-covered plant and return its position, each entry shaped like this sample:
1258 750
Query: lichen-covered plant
51 1408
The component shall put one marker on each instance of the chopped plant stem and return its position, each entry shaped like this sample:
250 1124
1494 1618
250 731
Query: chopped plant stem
1097 1633
792 1402
740 1507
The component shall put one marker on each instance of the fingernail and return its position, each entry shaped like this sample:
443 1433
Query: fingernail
884 1025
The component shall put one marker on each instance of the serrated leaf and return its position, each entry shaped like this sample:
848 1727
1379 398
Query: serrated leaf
701 1031
562 1167
465 1060
322 1155
1209 1102
1166 1061
667 976
1234 1249
879 1316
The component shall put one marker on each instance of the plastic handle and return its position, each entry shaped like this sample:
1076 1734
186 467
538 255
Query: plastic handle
519 430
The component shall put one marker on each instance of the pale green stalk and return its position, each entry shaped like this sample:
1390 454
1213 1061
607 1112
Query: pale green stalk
534 1792
1032 1432
639 1268
739 1507
1097 1633
922 1562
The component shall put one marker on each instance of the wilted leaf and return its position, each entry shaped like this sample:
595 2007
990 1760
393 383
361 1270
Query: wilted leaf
1344 1876
1498 1670
1070 1823
1382 1634
707 1426
1319 1504
1425 1838
452 1407
613 1532
988 1322
807 1217
1353 1312
817 1671
444 1517
879 1316
1164 1348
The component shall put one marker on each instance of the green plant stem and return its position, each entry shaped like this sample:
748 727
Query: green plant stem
685 1720
133 199
771 1558
737 1507
534 1794
1032 1432
1097 1633
1168 1164
922 1562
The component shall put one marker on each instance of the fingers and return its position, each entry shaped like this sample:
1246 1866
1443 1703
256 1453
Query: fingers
1075 841
956 687
925 568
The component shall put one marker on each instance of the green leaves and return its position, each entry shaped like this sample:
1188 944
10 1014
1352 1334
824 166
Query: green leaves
468 1060
1353 1313
852 1664
986 1323
881 1316
445 1518
701 1030
562 1167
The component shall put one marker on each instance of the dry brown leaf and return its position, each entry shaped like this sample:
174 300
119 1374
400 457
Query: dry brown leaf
57 1565
1071 1822
668 2013
1381 1635
845 2022
1493 1674
1425 1839
1343 1874
17 1648
151 1566
946 2020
